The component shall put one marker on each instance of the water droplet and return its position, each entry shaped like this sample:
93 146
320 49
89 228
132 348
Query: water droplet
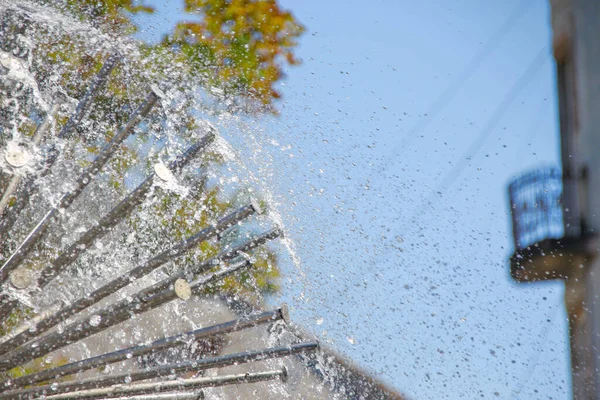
95 320
54 386
127 379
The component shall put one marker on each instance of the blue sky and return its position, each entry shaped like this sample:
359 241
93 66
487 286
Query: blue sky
404 234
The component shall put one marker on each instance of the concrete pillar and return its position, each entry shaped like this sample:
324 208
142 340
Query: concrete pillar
576 33
582 363
586 14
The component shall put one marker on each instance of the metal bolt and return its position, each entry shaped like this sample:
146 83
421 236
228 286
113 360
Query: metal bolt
163 172
285 374
20 278
157 92
256 205
285 313
17 157
182 289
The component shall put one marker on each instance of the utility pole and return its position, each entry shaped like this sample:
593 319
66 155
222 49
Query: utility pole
585 58
576 27
572 256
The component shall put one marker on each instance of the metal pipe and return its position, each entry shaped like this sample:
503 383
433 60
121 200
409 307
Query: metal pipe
22 196
163 370
169 386
108 221
53 308
90 94
41 129
206 265
103 319
118 213
122 281
135 351
7 306
199 395
27 187
251 244
80 184
13 184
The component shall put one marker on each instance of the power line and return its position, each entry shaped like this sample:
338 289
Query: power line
521 83
488 128
520 153
451 90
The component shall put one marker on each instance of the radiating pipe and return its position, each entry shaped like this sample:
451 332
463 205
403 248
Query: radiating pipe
108 221
192 395
90 94
170 386
80 184
103 319
52 309
13 184
235 325
27 186
206 265
112 287
162 371
118 213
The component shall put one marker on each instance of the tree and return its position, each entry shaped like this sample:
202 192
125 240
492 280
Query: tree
237 45
240 43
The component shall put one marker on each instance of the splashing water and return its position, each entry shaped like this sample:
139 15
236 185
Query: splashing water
230 154
105 262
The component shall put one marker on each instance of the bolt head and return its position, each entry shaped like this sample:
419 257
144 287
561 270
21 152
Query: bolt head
16 157
256 206
285 313
20 278
182 289
163 172
6 61
157 92
285 374
280 231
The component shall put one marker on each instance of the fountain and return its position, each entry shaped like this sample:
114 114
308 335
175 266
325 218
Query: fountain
51 329
124 273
